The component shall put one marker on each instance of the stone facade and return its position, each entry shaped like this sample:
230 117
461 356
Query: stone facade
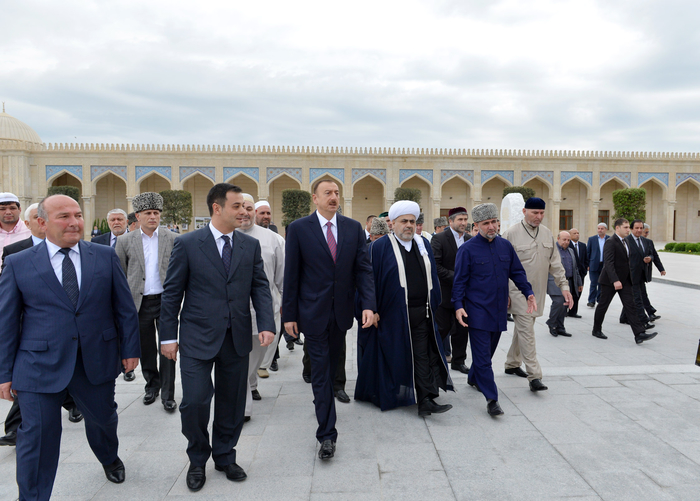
576 185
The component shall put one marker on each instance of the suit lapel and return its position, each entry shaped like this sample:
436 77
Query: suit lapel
43 267
208 246
342 235
87 269
237 254
318 233
452 243
138 244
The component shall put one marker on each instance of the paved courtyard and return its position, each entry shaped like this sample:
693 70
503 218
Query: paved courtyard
620 421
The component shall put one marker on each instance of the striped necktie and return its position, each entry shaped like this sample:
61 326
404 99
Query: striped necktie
331 240
70 277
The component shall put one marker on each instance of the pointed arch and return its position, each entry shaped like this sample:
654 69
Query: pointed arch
64 174
372 175
154 181
110 193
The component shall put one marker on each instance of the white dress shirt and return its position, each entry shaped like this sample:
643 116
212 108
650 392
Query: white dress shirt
56 258
334 226
220 241
601 244
36 240
458 240
624 242
152 284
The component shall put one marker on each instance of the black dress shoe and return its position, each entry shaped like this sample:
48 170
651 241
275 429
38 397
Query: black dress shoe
273 366
510 318
463 368
169 405
493 408
574 315
233 472
591 305
537 385
653 317
624 322
644 336
129 376
115 472
563 333
474 385
342 396
298 341
516 371
74 415
327 449
256 395
599 335
246 419
290 345
196 476
150 397
553 332
648 326
9 439
429 406
307 378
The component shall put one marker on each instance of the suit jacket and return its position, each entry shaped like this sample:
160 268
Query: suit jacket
213 298
576 279
581 259
638 268
616 263
314 285
103 239
594 253
445 251
130 251
42 330
16 247
654 257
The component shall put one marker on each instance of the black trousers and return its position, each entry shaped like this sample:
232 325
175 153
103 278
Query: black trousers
638 305
339 379
577 296
426 356
230 388
14 416
645 299
447 324
163 380
607 292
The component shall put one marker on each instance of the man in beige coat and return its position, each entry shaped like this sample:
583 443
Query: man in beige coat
144 255
537 251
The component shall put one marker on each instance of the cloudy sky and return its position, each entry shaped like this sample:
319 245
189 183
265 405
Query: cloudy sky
536 74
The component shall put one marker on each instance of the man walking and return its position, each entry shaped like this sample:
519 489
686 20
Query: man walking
581 254
557 312
117 222
595 262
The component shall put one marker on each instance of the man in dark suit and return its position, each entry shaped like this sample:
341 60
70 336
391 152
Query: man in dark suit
218 273
651 311
581 253
616 278
445 245
69 324
641 251
14 416
326 262
117 221
595 262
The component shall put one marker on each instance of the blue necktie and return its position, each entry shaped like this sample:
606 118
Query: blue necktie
226 253
70 277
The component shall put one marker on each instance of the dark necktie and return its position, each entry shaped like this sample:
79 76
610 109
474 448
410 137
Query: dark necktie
331 240
114 242
70 277
226 253
641 247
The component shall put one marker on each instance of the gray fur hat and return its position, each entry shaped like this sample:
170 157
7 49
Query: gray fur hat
484 211
147 201
379 227
420 219
440 221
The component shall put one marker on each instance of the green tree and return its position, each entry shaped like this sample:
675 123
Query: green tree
630 203
70 191
412 194
526 192
295 204
177 207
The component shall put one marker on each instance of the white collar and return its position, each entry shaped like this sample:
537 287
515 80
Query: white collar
217 234
155 232
324 221
54 249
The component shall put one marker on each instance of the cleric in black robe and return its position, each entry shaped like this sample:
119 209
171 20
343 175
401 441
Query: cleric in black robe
402 361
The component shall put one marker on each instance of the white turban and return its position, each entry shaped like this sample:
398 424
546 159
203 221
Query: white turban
261 203
403 207
248 198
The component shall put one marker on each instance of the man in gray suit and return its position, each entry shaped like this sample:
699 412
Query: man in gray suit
557 312
145 255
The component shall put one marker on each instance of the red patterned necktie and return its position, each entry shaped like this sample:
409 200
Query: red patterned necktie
331 240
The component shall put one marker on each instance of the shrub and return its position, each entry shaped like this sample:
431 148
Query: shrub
670 246
177 207
71 191
680 247
412 194
523 190
295 204
692 247
630 203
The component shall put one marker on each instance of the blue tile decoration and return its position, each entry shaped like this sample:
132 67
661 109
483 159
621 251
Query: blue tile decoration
505 174
273 172
164 171
424 173
643 177
337 173
685 176
625 177
76 170
467 175
231 172
186 171
586 177
360 173
547 175
97 170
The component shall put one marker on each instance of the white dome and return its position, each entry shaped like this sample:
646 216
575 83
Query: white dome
11 128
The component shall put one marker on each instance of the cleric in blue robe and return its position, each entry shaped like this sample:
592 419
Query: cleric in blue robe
402 360
483 266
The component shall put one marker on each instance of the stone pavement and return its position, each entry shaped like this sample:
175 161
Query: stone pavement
620 421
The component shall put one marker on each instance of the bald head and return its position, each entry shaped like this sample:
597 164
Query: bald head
563 239
61 219
574 234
